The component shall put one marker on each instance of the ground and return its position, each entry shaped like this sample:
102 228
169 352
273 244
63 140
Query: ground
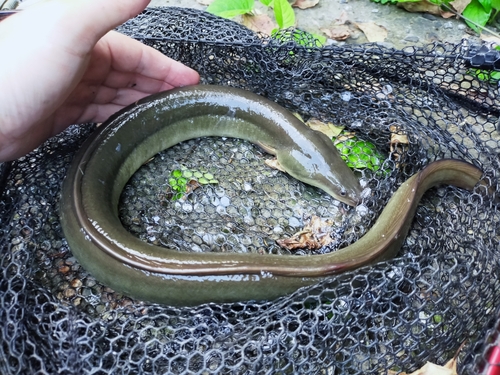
403 28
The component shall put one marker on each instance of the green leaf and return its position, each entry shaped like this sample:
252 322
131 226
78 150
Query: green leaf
476 13
187 173
203 181
230 8
495 4
267 3
285 17
176 173
360 154
320 38
177 196
208 176
486 5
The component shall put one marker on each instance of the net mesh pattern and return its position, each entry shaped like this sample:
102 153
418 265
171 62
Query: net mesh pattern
442 290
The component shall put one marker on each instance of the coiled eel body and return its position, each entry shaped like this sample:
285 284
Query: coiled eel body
101 168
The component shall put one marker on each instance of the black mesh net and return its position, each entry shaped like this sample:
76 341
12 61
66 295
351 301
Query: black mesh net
441 291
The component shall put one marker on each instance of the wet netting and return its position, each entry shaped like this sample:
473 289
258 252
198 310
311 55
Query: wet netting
441 292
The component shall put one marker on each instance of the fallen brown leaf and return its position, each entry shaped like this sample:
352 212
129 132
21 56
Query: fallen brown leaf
447 14
327 128
344 137
343 18
191 186
450 368
304 4
296 114
339 32
460 5
428 369
398 143
315 235
372 31
490 38
260 23
421 7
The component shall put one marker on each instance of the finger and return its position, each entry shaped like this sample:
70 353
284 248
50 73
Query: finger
145 61
98 112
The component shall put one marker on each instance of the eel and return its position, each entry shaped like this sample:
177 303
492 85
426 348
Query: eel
109 157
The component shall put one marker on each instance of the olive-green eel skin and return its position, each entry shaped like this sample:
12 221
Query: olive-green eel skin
104 164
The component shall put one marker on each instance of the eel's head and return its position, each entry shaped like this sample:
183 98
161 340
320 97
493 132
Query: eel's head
325 170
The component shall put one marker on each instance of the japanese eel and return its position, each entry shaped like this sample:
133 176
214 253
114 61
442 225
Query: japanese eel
110 156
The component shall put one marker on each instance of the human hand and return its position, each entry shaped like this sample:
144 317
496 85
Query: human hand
61 66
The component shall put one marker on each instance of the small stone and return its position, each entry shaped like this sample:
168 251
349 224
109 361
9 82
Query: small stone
429 17
68 293
412 38
76 283
64 269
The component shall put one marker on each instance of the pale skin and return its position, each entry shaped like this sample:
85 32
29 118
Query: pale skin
62 65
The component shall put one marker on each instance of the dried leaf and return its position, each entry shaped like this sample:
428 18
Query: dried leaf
460 5
315 235
191 186
259 23
398 143
421 7
372 31
397 136
447 14
327 128
345 136
429 369
296 114
339 32
304 4
490 38
342 19
450 368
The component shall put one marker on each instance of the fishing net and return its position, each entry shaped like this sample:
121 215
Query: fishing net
413 106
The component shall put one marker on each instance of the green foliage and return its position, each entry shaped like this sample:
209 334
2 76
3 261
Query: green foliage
300 37
285 17
476 14
230 9
360 154
479 12
181 178
283 13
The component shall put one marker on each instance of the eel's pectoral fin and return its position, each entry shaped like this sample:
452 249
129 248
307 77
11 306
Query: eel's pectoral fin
269 149
275 164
